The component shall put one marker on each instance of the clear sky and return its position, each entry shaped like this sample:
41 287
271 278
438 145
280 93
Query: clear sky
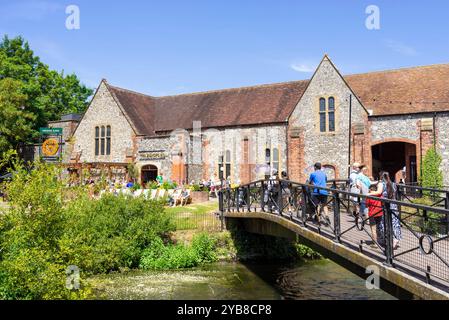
170 47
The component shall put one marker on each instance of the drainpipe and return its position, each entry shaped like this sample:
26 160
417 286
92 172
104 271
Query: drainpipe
434 131
349 134
286 150
420 150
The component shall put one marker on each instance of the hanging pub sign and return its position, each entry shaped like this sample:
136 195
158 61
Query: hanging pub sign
51 144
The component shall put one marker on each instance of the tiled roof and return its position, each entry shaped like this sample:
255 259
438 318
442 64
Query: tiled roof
401 91
264 104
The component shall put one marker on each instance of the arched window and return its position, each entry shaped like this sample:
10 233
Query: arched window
220 167
102 140
108 140
272 160
268 156
322 115
327 115
331 113
228 164
97 141
275 161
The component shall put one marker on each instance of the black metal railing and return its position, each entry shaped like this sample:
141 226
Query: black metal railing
410 236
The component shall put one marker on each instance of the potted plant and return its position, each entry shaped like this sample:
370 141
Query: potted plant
198 194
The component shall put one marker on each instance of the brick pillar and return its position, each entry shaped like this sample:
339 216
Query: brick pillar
295 161
206 159
426 139
245 175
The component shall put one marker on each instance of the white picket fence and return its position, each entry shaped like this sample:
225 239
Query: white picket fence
151 194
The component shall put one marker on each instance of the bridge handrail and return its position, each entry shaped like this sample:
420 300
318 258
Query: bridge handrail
422 223
348 193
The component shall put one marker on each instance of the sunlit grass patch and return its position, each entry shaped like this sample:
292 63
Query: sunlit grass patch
195 216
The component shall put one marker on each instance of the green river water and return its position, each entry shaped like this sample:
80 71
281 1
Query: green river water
322 279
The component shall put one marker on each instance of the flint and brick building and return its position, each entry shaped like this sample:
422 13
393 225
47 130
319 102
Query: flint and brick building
386 120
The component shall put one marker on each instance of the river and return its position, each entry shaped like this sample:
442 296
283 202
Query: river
321 279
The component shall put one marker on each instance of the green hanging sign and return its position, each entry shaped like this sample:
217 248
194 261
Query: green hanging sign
51 131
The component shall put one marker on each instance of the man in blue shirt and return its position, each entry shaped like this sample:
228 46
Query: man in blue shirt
319 196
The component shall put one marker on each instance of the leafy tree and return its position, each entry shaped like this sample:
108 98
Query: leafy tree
40 94
16 121
431 176
132 171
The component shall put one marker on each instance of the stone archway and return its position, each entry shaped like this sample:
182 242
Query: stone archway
398 158
148 173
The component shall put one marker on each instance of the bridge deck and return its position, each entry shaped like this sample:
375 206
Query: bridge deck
408 255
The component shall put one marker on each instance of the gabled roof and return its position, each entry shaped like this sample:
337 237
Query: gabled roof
385 93
403 91
264 104
139 108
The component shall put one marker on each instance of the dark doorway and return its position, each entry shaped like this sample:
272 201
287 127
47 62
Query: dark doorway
397 158
149 173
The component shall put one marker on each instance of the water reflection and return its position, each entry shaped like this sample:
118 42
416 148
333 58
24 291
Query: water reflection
312 280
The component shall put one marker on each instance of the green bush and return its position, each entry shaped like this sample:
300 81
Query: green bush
431 176
51 226
159 256
152 185
31 266
195 187
204 247
106 234
304 252
166 185
433 225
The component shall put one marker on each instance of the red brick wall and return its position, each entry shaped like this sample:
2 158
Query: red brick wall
295 161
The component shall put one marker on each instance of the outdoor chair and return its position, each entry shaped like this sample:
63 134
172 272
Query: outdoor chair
126 192
176 196
162 193
185 199
153 194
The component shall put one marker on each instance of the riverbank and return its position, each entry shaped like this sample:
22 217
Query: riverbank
234 244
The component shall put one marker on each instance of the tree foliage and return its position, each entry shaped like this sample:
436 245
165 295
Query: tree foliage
432 176
31 94
51 225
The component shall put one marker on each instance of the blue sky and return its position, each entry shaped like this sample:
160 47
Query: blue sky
172 47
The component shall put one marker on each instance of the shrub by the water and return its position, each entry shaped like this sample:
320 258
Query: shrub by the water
109 233
159 256
50 226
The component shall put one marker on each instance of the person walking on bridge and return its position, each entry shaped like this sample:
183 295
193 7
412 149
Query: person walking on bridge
363 184
388 190
353 188
319 196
